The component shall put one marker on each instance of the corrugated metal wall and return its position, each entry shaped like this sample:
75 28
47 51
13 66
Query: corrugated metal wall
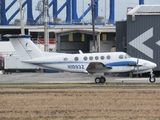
121 34
143 34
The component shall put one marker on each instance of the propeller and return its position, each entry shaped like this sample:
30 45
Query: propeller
137 66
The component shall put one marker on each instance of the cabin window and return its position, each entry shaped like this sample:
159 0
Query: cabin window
102 57
108 56
96 57
91 58
120 56
76 58
65 59
85 58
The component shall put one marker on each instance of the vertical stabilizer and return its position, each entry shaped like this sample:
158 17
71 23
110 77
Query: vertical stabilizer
24 47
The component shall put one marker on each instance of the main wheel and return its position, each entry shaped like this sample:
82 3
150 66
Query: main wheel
97 80
152 79
103 79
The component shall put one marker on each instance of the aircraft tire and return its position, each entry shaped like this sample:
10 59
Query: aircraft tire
152 79
97 80
103 79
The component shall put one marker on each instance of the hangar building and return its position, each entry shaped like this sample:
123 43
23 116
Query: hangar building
69 38
139 35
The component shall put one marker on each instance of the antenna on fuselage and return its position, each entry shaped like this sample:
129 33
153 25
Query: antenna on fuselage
80 52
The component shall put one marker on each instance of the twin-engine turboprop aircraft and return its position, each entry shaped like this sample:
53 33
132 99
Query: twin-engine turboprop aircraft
94 63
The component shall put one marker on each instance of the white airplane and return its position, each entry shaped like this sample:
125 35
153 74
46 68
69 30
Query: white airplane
93 63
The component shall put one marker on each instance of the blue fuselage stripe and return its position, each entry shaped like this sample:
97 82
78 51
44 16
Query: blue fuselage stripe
61 62
122 63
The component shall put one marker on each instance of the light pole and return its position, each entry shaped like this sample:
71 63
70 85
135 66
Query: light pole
21 17
46 35
83 11
105 13
93 29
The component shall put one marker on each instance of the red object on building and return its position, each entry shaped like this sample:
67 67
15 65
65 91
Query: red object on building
2 61
51 41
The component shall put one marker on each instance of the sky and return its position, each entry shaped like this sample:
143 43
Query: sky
82 5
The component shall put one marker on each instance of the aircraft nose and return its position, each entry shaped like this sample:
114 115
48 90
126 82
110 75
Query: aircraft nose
148 64
152 65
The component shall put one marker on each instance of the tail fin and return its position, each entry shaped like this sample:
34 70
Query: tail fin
24 47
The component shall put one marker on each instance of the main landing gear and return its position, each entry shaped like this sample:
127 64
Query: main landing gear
100 79
152 79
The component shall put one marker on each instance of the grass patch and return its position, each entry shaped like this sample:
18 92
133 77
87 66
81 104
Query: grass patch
87 103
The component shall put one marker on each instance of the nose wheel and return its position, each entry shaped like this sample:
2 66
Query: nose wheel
100 79
152 79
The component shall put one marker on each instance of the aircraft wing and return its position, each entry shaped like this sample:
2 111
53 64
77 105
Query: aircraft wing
97 65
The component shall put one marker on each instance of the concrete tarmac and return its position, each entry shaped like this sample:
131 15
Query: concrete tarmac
65 77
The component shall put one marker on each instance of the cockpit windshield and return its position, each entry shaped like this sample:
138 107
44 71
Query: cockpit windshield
127 56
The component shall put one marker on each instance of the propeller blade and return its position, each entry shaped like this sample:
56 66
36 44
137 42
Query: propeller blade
137 66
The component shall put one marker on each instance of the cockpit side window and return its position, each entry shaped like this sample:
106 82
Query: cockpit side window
127 56
121 57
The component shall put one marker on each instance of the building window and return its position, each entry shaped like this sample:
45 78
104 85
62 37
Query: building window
108 57
76 58
91 58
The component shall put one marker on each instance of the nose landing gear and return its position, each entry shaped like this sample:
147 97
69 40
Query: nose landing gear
100 79
152 79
